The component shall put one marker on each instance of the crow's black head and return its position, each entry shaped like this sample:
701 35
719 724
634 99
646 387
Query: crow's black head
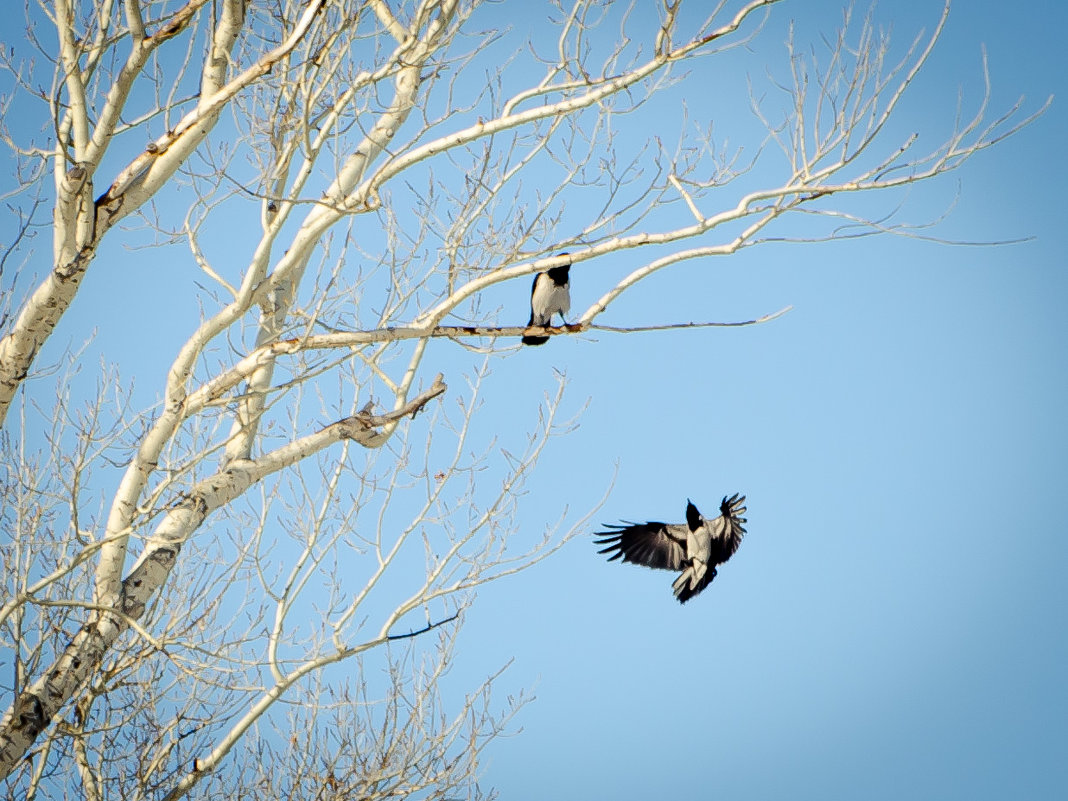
559 275
693 516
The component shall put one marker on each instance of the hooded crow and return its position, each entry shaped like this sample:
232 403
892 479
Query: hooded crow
694 547
549 294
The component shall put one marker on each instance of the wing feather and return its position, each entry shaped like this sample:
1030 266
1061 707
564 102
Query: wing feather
728 529
652 544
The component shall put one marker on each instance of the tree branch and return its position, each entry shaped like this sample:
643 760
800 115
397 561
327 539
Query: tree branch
428 627
35 707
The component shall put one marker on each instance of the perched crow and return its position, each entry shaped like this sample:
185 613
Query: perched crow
549 294
695 547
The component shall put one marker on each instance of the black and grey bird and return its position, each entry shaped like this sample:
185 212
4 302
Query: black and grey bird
549 294
694 547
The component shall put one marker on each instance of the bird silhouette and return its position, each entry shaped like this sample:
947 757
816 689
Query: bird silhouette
549 294
694 547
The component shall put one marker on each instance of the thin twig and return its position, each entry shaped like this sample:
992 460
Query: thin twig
423 630
764 319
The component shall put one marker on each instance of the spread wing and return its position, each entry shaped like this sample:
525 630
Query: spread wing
651 544
727 529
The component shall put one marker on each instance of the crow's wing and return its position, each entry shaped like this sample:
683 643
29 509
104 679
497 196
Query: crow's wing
727 530
651 544
538 291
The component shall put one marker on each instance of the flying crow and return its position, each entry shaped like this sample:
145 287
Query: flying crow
694 547
550 294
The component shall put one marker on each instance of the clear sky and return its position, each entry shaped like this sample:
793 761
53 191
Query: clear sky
893 626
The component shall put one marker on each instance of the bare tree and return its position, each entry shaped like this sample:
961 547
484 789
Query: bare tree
351 179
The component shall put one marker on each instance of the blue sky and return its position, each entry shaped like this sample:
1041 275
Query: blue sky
893 625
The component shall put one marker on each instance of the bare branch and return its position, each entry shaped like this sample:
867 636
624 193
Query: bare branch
428 627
